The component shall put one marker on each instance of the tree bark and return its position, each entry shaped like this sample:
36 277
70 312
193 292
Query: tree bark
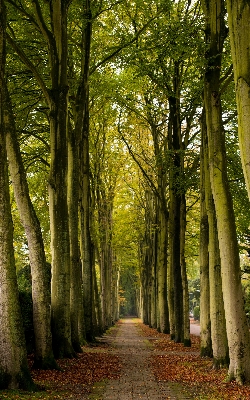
59 223
82 132
239 29
14 371
205 320
161 233
162 254
87 261
217 312
186 322
76 299
236 322
175 211
44 358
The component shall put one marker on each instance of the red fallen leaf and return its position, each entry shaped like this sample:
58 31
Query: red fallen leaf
78 375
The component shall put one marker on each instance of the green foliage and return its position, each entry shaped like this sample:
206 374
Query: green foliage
194 294
196 313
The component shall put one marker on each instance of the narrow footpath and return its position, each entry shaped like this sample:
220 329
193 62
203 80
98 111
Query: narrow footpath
137 379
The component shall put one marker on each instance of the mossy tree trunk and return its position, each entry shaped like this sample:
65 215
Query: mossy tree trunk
161 233
236 322
147 260
162 264
205 320
76 299
217 312
82 132
175 209
44 358
186 322
57 101
239 30
86 247
106 257
14 371
59 223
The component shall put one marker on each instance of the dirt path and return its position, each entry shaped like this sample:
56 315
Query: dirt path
195 327
137 380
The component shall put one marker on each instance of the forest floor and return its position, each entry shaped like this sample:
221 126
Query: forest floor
131 362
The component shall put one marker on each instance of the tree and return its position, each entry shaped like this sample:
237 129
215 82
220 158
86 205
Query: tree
14 372
236 324
57 101
205 319
239 20
44 357
82 125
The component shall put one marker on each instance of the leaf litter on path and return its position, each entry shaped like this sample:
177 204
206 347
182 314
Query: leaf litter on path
179 365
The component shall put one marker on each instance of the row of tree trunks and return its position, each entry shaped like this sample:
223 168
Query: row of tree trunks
236 324
69 326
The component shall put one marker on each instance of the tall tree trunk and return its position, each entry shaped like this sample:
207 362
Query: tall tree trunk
239 29
217 312
76 300
161 234
163 325
175 211
97 303
154 255
145 280
186 322
116 284
148 251
87 261
44 358
153 314
236 322
170 279
57 100
14 371
82 131
59 225
205 320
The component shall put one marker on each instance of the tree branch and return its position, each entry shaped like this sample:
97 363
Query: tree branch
31 66
120 48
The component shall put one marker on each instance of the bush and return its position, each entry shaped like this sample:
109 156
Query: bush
196 313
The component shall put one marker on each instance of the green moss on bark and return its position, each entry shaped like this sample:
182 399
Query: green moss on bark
22 380
206 352
25 381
